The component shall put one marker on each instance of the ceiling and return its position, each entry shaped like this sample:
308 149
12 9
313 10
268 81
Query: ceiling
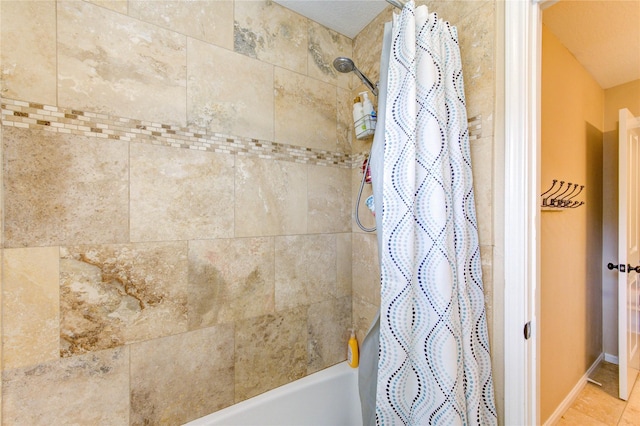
603 35
347 17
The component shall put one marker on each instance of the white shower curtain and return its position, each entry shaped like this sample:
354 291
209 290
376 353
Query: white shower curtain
434 366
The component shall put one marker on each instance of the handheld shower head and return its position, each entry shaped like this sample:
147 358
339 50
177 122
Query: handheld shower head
345 65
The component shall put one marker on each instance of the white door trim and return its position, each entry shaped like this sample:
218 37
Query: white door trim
522 36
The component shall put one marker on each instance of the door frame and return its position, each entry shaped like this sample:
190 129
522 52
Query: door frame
521 249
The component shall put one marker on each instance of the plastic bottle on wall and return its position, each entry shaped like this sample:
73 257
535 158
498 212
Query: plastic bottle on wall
367 107
352 354
358 112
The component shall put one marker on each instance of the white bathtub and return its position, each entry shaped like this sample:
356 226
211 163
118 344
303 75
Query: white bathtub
326 398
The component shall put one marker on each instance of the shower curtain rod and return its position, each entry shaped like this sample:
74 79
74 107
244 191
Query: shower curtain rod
397 3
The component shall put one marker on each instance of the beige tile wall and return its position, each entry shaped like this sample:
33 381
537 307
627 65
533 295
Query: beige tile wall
88 389
193 375
215 100
110 63
176 207
64 189
29 27
179 180
30 279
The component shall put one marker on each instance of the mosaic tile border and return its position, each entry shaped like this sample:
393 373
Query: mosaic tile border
23 114
63 120
474 125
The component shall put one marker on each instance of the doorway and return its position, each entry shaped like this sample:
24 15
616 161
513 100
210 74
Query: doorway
570 338
522 29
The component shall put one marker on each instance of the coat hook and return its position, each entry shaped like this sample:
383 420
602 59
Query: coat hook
574 204
564 200
552 185
561 196
552 202
544 200
558 200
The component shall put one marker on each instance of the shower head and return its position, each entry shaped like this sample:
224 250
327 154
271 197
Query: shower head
346 65
343 64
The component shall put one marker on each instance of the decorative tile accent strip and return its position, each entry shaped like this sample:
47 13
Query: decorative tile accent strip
474 124
63 120
32 115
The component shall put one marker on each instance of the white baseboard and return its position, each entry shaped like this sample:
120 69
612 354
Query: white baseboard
568 400
613 359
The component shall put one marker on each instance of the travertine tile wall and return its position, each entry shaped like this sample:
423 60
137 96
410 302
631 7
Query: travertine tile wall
179 180
176 207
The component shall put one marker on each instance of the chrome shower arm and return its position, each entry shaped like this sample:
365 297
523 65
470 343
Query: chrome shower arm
366 82
396 3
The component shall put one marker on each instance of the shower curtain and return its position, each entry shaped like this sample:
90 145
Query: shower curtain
434 365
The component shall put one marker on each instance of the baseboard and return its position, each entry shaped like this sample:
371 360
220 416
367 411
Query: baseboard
613 359
568 400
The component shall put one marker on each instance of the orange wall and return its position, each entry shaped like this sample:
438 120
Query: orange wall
623 96
571 250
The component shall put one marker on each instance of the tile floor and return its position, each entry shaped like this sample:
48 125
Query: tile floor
598 406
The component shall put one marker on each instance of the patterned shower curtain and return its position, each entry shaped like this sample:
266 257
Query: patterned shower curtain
434 366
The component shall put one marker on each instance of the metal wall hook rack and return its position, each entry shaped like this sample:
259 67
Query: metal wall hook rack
559 197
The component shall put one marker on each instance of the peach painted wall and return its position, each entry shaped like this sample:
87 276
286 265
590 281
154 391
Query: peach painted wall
571 250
